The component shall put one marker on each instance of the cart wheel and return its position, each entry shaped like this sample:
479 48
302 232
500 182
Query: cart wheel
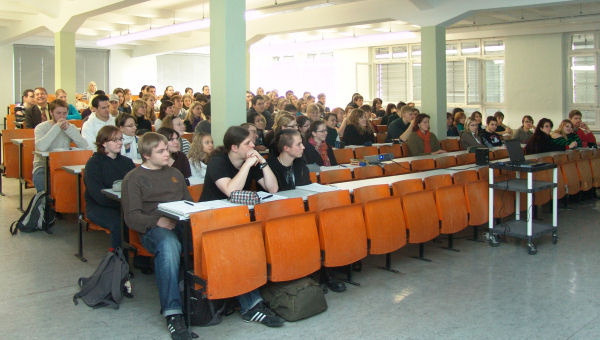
554 239
493 241
532 249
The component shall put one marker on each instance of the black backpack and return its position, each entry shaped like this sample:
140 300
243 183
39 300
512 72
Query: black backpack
33 217
109 283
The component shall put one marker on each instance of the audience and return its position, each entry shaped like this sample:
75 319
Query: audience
524 132
470 137
73 113
313 112
193 117
390 114
202 147
139 113
289 168
303 125
285 121
175 123
402 128
150 100
489 137
316 148
32 114
564 135
97 120
332 132
51 135
204 126
377 108
177 159
476 115
34 117
459 119
166 109
260 123
106 166
358 130
126 124
253 135
583 131
125 102
541 141
451 129
422 141
502 128
258 106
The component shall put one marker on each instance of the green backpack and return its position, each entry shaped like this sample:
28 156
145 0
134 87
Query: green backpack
295 300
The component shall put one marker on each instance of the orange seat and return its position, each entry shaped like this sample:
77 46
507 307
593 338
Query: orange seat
394 149
465 158
595 165
569 170
381 128
313 177
560 158
136 242
500 153
449 145
196 191
343 156
585 174
279 208
335 176
421 218
445 162
384 223
484 172
381 137
371 192
465 176
546 159
10 151
451 208
404 187
363 151
562 184
189 136
233 260
422 165
504 203
477 196
28 152
586 154
64 185
370 171
77 122
436 181
331 199
396 168
404 149
342 235
573 155
292 247
541 197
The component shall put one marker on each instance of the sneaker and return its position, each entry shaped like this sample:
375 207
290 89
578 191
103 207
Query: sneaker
177 328
262 314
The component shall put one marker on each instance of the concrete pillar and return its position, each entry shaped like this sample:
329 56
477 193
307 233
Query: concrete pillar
227 65
64 63
433 77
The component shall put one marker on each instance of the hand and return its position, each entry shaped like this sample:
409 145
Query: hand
167 223
253 158
412 123
573 145
63 124
584 127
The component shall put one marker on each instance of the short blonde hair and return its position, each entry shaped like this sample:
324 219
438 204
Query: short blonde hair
148 142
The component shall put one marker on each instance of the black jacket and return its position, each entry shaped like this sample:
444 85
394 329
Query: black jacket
311 155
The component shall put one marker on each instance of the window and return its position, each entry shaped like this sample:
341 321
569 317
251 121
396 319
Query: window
455 81
392 81
583 57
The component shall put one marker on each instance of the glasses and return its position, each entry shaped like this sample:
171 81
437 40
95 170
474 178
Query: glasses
321 131
116 140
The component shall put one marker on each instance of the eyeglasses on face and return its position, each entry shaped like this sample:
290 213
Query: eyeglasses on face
321 131
116 140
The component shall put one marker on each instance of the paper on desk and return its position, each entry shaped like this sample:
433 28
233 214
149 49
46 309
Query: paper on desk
273 197
316 187
183 209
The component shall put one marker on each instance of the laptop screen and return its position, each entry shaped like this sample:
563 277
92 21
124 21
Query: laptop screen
514 151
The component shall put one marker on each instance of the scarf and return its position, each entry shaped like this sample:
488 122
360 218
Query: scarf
322 148
425 137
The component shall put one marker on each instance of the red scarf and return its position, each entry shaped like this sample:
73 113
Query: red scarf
322 148
425 137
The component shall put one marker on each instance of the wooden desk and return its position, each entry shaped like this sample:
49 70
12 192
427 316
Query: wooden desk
77 170
19 142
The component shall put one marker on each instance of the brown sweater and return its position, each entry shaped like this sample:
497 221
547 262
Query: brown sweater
143 189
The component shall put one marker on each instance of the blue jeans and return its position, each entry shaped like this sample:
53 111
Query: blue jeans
165 246
249 300
39 179
109 218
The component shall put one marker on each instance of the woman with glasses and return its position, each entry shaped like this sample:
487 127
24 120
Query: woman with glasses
106 166
316 149
126 123
178 159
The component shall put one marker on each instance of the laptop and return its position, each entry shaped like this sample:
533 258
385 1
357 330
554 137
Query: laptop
515 153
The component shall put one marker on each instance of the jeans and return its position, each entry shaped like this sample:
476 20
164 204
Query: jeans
109 218
166 247
39 179
249 300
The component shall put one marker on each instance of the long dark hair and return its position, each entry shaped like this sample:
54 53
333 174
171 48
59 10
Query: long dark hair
388 109
539 137
235 135
419 119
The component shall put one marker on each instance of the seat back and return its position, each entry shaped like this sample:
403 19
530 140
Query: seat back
279 208
465 158
445 162
335 176
500 153
188 136
396 168
381 128
449 145
436 181
561 158
465 176
233 260
342 235
451 208
586 154
406 186
64 185
371 192
422 165
343 156
477 196
292 247
384 222
394 149
569 170
404 149
313 177
381 137
546 159
28 151
196 191
369 171
595 165
326 200
420 216
76 122
213 219
573 155
363 151
543 196
10 151
585 174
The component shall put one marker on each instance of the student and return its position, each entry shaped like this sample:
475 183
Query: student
390 114
258 106
313 113
178 109
284 122
470 136
358 130
377 107
38 111
452 131
150 101
73 113
187 101
166 109
303 125
332 133
316 148
582 130
402 128
260 123
253 135
193 117
142 124
524 132
202 147
476 115
160 235
106 166
178 159
113 109
30 110
176 123
422 141
126 124
51 135
459 119
564 135
489 137
502 128
541 141
125 101
204 126
97 120
289 167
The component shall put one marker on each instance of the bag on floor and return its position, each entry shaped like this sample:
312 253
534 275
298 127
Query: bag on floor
109 283
205 312
295 300
33 217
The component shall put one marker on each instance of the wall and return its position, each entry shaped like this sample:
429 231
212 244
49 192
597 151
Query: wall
534 78
131 73
7 83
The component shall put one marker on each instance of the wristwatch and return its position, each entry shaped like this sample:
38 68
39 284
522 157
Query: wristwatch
263 165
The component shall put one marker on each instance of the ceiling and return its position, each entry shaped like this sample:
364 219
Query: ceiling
274 21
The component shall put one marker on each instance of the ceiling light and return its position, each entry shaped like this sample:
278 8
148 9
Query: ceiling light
155 32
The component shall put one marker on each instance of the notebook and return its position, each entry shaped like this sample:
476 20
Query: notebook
516 155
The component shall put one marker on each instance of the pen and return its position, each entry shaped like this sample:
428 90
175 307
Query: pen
268 196
192 204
